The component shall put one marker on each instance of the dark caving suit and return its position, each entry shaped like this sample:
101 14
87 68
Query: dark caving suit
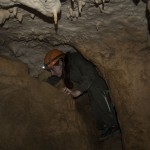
86 78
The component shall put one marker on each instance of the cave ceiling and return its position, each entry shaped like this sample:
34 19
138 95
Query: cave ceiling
37 25
37 19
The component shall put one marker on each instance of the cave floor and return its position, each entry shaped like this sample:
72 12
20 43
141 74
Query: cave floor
110 144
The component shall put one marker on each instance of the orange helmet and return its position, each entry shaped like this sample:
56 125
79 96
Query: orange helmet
52 57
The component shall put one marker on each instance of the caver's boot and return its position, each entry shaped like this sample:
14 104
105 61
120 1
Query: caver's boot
110 132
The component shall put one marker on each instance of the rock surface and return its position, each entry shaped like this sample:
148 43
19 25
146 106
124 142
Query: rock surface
32 115
116 41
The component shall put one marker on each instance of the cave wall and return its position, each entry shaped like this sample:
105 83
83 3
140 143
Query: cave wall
116 41
125 66
35 115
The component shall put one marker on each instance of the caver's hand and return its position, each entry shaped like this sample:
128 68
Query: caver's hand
67 91
75 93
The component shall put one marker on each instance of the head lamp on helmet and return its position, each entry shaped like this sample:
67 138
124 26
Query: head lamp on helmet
51 58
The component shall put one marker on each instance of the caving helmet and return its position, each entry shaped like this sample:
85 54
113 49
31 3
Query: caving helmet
52 57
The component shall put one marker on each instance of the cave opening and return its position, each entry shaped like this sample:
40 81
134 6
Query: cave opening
83 103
